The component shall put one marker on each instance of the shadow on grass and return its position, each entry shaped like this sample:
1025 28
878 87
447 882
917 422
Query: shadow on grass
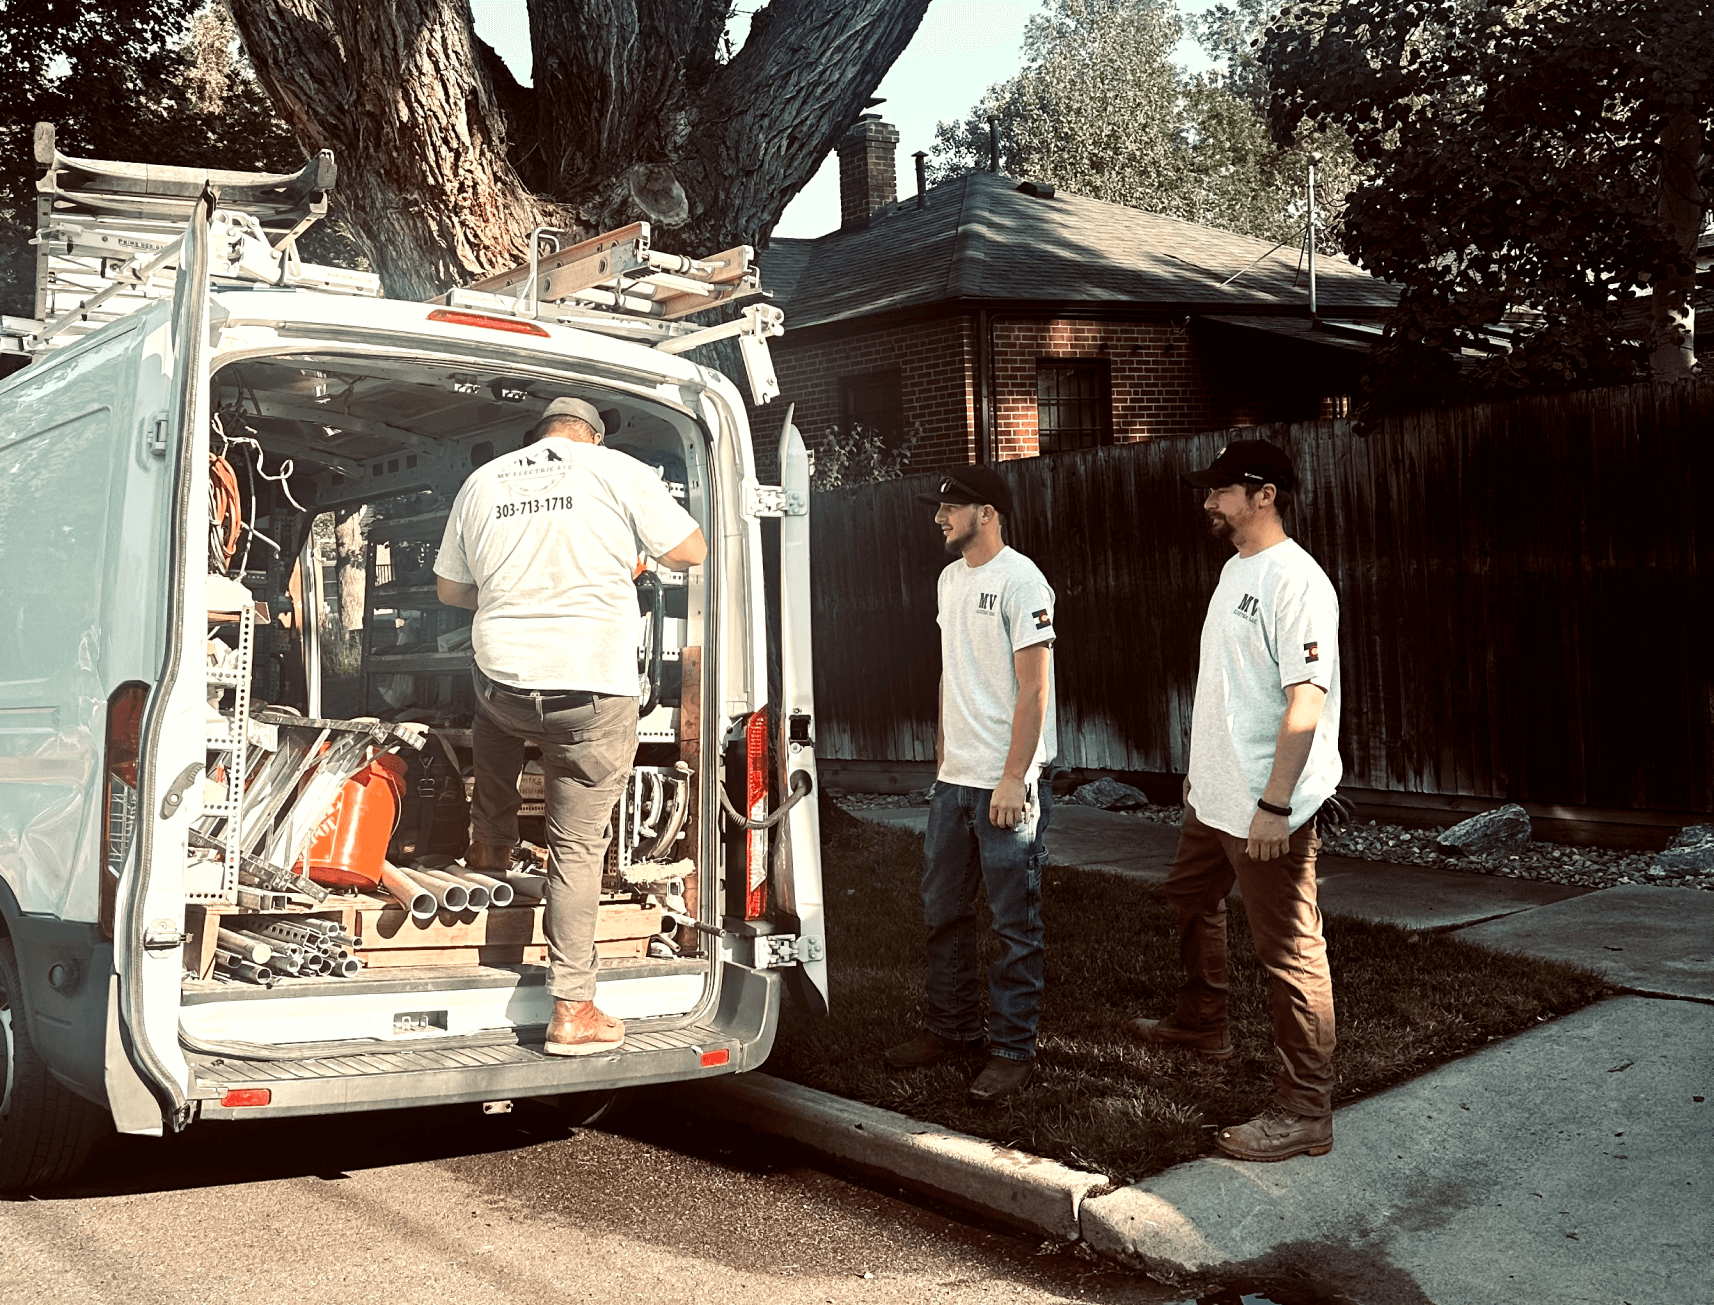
1405 1002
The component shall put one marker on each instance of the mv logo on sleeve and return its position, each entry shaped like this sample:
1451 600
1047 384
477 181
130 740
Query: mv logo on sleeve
987 602
1249 607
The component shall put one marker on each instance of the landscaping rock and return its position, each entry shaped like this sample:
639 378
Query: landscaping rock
1502 830
1110 795
1691 853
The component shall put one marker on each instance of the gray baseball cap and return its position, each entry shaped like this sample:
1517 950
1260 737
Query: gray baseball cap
580 408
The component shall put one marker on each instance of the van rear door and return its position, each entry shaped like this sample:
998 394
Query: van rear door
148 933
800 891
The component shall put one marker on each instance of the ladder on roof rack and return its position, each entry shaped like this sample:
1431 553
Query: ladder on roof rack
618 284
108 236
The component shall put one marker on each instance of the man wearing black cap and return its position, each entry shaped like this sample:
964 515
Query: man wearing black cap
991 797
541 543
1264 756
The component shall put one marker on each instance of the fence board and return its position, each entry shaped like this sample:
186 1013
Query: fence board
1522 595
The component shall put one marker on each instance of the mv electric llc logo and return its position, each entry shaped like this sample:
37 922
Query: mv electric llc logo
1249 607
987 602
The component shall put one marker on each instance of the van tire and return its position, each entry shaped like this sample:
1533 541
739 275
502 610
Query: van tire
47 1132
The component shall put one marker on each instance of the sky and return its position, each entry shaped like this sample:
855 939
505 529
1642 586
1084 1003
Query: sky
962 48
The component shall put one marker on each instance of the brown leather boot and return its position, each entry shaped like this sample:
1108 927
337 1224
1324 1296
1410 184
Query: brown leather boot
579 1029
489 856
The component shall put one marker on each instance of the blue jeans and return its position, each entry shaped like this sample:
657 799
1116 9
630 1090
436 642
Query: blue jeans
962 848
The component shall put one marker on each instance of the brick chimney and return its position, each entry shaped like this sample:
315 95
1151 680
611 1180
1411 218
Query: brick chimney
866 176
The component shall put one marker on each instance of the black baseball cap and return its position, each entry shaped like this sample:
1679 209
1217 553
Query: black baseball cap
977 484
1245 462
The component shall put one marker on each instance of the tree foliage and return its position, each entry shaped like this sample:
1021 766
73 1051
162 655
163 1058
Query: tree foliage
1100 109
1530 161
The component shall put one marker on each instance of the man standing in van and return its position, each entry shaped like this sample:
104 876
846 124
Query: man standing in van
1264 756
542 544
991 796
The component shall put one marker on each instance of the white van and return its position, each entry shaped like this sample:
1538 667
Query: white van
127 672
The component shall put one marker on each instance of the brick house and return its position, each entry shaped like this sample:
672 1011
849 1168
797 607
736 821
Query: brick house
1001 320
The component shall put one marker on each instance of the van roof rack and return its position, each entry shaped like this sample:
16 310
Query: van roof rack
108 236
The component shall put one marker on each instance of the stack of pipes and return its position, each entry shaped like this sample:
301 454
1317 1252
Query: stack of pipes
301 947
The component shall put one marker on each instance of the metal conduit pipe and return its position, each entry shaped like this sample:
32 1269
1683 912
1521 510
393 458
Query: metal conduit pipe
452 894
253 950
534 887
499 891
419 902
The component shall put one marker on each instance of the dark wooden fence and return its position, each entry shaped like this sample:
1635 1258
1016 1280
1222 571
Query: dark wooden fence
1522 590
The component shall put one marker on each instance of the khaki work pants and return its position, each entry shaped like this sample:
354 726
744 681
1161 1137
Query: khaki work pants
1285 925
587 753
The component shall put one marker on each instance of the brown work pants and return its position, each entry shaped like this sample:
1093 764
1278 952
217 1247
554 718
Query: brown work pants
586 754
1285 925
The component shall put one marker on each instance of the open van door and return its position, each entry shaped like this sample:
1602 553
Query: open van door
800 886
147 944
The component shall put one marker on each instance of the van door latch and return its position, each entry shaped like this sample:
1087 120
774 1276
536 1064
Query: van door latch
176 790
155 434
162 935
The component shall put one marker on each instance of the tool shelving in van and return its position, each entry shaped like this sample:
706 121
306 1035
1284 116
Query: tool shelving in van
319 397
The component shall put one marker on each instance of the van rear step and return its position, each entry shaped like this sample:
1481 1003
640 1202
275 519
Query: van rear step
737 1037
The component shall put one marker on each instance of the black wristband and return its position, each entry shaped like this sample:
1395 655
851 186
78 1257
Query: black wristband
1271 809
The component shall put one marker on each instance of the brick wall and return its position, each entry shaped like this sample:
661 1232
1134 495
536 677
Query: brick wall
1166 378
936 365
1161 382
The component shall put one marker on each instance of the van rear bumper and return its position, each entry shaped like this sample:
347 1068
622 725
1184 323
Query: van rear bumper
743 1026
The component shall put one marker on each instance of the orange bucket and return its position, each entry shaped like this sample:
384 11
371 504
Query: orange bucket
351 842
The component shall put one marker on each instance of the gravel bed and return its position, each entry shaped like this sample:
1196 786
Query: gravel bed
1560 863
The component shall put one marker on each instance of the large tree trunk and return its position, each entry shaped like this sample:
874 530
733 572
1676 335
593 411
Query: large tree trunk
446 163
1681 209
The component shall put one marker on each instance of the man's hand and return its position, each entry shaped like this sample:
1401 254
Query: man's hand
1006 807
1269 836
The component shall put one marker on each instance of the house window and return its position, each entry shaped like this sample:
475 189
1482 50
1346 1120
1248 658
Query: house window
1073 410
874 401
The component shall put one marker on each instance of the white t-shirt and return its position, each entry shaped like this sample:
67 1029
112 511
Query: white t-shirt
549 536
987 613
1273 622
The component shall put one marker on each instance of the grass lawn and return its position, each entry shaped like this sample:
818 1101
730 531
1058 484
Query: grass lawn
1405 1001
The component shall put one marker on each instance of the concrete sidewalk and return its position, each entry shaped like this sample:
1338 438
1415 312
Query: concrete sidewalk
1573 1162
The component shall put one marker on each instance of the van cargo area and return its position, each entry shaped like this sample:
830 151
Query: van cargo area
339 713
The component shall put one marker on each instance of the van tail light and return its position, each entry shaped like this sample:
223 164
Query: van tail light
119 785
247 1097
756 807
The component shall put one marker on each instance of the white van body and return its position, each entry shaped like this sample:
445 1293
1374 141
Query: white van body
104 491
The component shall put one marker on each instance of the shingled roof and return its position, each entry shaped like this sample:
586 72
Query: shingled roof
981 238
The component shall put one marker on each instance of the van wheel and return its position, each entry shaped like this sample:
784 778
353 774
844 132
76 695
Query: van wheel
46 1131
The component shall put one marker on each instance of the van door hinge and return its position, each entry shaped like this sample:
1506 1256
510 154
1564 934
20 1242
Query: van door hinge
777 949
772 501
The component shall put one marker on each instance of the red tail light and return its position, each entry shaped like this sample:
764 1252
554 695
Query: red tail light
756 807
247 1097
119 785
458 317
712 1058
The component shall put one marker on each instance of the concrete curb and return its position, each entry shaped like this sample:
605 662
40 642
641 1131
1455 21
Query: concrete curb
1040 1196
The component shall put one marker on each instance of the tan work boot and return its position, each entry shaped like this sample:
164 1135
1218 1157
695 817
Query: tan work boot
489 856
579 1029
1164 1033
1277 1134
